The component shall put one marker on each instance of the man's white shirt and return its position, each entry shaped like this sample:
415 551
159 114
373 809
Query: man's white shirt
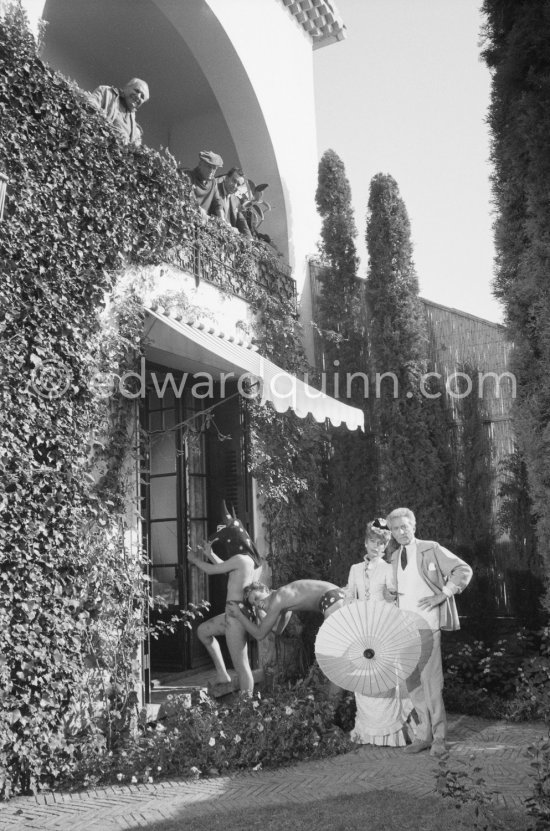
411 587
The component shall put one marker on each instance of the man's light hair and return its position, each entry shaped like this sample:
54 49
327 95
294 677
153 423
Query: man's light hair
399 512
254 587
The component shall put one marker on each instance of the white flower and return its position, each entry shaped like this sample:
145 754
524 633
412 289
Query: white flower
289 711
120 776
195 771
222 735
237 739
255 705
212 741
134 780
150 780
260 728
258 766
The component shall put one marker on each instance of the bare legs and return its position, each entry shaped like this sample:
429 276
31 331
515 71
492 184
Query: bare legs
207 633
236 638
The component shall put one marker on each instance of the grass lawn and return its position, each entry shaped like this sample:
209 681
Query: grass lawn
380 810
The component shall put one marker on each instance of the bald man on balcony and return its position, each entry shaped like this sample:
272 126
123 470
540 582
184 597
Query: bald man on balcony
119 106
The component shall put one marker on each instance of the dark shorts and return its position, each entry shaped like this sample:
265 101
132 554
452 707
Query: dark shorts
330 598
246 609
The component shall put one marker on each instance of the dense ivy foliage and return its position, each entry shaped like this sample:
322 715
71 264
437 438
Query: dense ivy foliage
81 210
516 50
80 206
414 465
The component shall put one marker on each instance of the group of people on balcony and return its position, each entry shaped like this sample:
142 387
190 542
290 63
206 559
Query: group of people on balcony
227 196
420 576
218 195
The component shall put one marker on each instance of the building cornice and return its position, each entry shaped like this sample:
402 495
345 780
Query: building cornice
319 18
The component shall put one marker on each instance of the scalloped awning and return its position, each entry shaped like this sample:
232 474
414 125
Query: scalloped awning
203 349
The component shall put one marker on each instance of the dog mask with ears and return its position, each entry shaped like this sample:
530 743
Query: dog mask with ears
232 538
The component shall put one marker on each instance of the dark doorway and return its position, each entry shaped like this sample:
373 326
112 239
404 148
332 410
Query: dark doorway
195 458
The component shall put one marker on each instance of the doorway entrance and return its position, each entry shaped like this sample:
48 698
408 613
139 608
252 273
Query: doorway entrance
195 458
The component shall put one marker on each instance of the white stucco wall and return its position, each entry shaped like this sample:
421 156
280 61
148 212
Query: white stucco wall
278 58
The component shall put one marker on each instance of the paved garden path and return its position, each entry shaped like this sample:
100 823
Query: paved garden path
499 748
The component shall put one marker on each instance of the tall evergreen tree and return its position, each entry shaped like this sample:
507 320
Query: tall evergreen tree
350 475
340 303
517 51
414 465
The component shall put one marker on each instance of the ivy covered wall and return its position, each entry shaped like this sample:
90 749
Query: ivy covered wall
81 210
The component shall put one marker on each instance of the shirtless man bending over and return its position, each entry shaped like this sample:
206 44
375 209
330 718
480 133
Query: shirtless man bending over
300 596
239 568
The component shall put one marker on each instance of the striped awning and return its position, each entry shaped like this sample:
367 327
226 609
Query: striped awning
202 348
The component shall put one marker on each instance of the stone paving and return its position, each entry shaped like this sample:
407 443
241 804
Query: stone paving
498 747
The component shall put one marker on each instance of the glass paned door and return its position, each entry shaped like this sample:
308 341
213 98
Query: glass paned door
163 497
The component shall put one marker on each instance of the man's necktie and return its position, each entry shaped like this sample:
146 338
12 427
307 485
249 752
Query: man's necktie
403 557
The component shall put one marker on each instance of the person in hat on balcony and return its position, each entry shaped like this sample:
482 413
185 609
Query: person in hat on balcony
232 552
119 106
205 188
228 186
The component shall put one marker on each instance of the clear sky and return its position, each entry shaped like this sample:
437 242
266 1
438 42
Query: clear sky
407 94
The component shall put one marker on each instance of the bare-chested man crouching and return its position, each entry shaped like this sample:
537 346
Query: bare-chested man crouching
278 605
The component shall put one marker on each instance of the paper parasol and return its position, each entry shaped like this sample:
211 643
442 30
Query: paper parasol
369 647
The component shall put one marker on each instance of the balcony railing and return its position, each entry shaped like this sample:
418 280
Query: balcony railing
211 252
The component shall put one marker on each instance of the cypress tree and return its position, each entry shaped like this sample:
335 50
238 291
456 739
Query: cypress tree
414 464
350 475
340 303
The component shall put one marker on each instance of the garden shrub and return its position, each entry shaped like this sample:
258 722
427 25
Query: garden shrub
538 804
506 679
210 738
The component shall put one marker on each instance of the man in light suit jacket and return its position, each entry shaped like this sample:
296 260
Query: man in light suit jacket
427 577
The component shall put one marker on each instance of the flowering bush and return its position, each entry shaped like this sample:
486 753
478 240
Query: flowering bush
211 739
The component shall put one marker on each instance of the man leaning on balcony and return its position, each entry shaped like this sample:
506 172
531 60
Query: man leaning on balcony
118 107
205 188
